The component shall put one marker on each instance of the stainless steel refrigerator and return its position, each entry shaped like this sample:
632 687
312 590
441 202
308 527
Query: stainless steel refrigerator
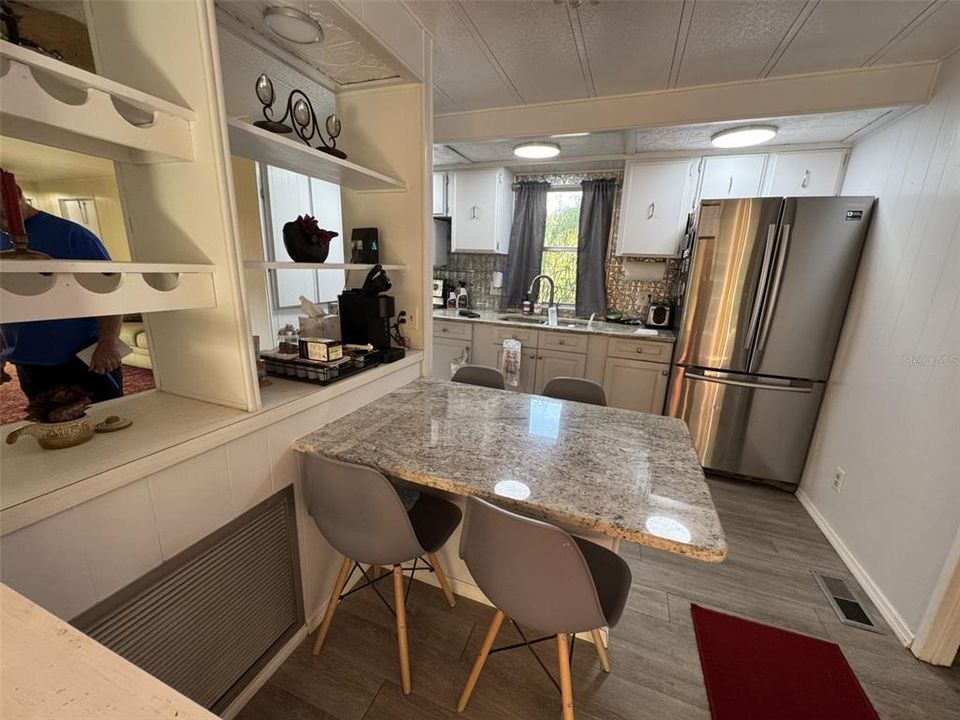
765 292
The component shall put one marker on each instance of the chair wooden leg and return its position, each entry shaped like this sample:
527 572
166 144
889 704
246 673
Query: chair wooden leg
442 579
332 604
481 659
566 687
601 650
401 628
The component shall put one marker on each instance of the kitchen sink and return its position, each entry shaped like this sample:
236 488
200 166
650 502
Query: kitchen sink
540 320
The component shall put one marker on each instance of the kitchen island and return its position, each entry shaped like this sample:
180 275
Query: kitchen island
597 471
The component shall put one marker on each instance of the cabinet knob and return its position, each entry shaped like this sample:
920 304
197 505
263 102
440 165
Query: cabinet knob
533 357
663 372
443 329
640 350
561 342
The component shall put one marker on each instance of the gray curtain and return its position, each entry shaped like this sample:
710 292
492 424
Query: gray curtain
596 216
526 240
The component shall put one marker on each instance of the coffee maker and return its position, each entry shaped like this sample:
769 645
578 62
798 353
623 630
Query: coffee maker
366 315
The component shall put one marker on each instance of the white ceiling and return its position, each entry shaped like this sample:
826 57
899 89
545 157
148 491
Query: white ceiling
500 53
794 130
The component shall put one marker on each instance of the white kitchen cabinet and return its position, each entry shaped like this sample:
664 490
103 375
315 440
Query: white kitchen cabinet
445 352
731 176
657 197
440 206
635 384
481 204
797 174
557 363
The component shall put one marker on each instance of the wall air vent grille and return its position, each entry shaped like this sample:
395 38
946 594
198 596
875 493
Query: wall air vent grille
845 603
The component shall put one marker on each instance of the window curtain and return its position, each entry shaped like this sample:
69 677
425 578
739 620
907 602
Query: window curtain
526 239
596 216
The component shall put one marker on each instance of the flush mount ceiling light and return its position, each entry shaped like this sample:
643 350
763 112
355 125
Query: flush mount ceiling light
744 136
536 150
292 25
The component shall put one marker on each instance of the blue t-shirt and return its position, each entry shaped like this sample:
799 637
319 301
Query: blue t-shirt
53 342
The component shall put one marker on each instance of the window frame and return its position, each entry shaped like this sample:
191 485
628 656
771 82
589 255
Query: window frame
563 248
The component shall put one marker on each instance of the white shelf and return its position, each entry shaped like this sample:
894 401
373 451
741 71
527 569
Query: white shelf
249 141
266 265
53 103
57 289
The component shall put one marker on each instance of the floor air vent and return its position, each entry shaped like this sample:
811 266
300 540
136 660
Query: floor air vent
207 620
844 602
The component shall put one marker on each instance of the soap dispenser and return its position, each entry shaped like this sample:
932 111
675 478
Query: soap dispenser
463 301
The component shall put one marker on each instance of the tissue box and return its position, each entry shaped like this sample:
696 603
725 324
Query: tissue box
322 349
327 326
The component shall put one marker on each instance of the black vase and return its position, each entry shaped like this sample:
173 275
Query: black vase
300 248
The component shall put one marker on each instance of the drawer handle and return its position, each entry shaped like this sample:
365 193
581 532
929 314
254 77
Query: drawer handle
651 210
474 213
730 185
806 179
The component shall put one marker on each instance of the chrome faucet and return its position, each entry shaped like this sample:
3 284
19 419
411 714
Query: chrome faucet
551 306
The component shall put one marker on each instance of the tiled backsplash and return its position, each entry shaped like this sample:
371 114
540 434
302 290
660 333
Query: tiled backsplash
623 294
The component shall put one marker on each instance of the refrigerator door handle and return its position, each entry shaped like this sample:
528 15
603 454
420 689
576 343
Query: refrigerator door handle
753 386
774 289
761 286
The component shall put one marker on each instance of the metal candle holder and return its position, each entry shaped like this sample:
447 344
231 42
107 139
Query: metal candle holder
302 116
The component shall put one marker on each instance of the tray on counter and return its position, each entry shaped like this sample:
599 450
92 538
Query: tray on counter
294 367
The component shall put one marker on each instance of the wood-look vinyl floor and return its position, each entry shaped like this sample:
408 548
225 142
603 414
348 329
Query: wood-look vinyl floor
656 670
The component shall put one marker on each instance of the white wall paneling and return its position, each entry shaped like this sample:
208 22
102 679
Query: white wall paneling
891 414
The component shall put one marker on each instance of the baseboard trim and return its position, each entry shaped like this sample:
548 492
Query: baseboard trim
265 674
873 591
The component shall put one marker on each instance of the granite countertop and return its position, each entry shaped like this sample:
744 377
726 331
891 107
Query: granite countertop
492 317
625 474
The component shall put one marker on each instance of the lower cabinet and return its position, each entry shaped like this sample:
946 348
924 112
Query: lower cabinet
445 351
635 384
558 363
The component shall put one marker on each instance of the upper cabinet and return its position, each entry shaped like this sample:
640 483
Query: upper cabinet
440 206
481 210
795 174
657 197
731 176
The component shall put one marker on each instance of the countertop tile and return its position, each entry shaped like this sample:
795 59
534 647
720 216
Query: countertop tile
626 474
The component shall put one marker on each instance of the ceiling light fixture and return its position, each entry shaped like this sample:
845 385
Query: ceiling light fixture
292 25
744 136
536 150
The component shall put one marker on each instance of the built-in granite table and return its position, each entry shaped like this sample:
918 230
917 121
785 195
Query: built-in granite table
593 470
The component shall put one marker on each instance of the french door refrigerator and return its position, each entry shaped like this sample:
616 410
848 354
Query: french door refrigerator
764 299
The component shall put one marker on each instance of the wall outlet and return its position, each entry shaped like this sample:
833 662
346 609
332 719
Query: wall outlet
413 320
839 475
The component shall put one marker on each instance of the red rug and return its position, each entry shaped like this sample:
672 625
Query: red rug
757 672
13 403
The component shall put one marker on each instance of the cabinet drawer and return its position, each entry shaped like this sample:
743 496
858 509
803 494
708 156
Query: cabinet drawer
458 330
630 349
528 338
563 341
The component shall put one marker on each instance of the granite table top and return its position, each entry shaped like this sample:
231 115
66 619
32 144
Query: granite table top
625 474
499 317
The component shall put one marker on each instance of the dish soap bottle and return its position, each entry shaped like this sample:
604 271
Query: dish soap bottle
527 306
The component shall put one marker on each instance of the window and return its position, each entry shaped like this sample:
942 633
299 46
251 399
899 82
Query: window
560 244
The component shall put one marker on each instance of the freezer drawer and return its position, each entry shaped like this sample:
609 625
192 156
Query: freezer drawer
744 425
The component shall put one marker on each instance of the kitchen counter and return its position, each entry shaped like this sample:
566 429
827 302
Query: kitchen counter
52 670
491 317
625 474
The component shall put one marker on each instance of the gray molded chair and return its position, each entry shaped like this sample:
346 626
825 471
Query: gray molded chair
360 514
541 576
480 375
576 389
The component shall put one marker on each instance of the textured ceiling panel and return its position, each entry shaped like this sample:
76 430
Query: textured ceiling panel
340 56
845 34
443 155
937 35
460 68
731 41
629 44
533 43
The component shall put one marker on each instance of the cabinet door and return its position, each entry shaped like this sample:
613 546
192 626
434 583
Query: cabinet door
798 174
528 368
474 211
444 353
439 193
732 176
656 200
635 385
558 363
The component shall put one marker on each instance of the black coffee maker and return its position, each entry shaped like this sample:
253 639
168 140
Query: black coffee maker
366 314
